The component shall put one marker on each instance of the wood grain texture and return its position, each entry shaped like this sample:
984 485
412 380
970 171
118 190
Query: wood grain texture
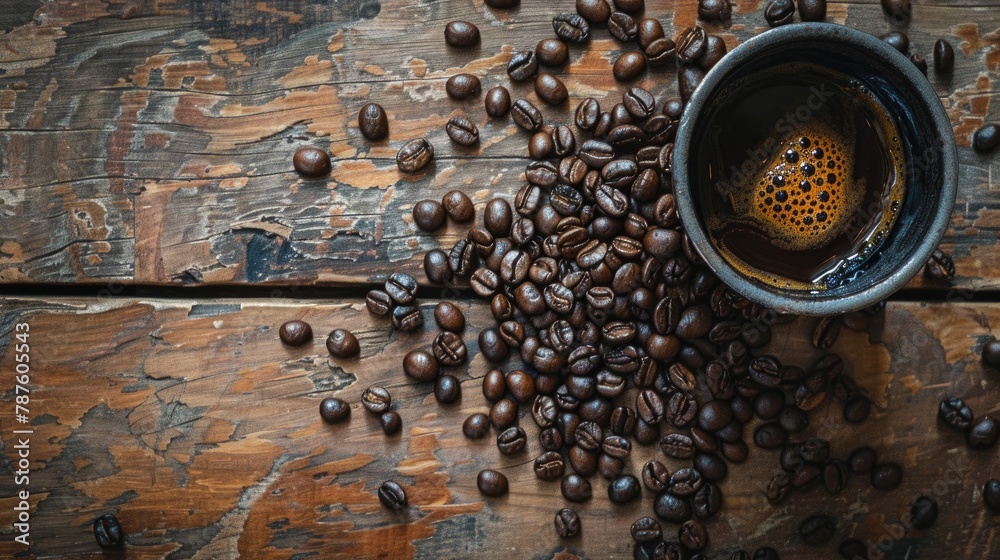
195 425
152 143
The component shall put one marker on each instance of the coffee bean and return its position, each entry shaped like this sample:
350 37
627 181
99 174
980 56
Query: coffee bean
681 409
646 529
817 530
401 287
886 476
512 440
334 410
778 488
376 399
671 508
623 27
779 12
685 482
857 409
497 102
693 535
391 422
373 122
920 62
986 138
812 10
476 426
715 10
567 523
550 89
770 435
461 34
955 413
575 488
897 10
940 266
624 489
983 434
420 365
853 549
690 44
550 439
392 495
549 466
991 495
462 258
571 27
944 56
715 49
436 267
862 460
462 131
711 467
295 333
522 66
630 6
639 102
526 115
740 555
660 52
108 532
449 349
898 40
649 30
584 463
923 512
463 86
826 332
503 4
428 215
629 66
616 446
766 370
766 553
835 474
447 389
311 162
378 303
503 414
343 344
551 52
449 317
414 155
492 483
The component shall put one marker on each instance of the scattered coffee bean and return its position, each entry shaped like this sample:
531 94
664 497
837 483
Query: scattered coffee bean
920 62
624 489
707 501
461 34
629 66
812 10
492 483
295 333
343 344
311 162
923 512
766 553
449 317
567 523
550 89
462 86
436 266
402 288
630 6
646 529
886 476
691 44
940 266
376 400
779 12
420 365
983 434
956 413
944 56
551 52
594 11
512 440
447 389
692 535
817 530
991 495
655 476
334 410
414 155
392 495
391 422
986 138
571 27
526 116
898 40
857 409
476 426
428 215
378 303
522 66
715 10
623 27
715 49
576 488
991 352
671 508
862 460
462 131
108 532
497 102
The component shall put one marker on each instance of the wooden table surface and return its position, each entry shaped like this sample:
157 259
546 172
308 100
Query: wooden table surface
145 174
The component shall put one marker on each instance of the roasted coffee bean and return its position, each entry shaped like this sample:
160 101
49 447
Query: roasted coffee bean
835 474
650 406
462 86
108 532
853 549
715 49
567 523
575 488
436 267
571 27
428 215
392 495
685 482
923 512
311 162
551 52
983 434
378 303
765 553
817 530
630 6
779 12
715 10
991 353
497 102
886 476
549 466
407 318
414 155
955 413
629 66
940 266
582 461
550 439
711 467
624 489
520 385
898 10
986 138
544 411
646 529
862 460
492 346
898 40
650 30
671 508
295 333
526 115
449 349
447 389
492 483
391 422
587 114
540 145
690 44
461 34
550 89
778 488
857 409
639 102
522 66
494 385
944 56
376 399
373 122
402 288
503 414
740 555
462 258
655 476
512 440
770 435
462 131
693 535
660 51
449 317
696 320
826 332
681 409
769 403
991 495
766 371
342 344
707 501
616 446
714 415
420 365
812 10
920 62
594 11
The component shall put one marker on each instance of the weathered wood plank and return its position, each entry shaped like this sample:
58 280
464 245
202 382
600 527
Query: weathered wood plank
174 126
194 424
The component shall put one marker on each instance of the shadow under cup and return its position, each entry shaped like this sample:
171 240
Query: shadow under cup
928 150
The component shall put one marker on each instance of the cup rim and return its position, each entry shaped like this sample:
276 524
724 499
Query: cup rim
812 303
